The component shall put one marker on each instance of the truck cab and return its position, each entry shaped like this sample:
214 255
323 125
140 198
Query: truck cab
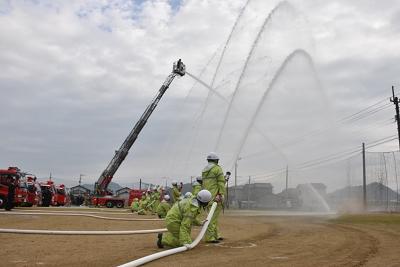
49 194
62 195
18 178
34 192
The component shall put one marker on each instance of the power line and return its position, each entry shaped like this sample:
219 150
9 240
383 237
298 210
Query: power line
325 129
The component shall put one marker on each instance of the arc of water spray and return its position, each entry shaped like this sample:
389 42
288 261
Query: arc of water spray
280 5
227 41
271 85
180 111
210 93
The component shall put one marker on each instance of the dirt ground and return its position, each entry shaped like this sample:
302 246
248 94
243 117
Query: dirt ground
250 239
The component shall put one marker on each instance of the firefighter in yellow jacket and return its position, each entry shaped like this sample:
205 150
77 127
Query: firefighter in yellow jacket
163 207
180 218
134 205
176 193
143 204
197 186
214 181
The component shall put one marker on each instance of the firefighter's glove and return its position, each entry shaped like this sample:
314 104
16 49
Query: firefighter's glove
218 198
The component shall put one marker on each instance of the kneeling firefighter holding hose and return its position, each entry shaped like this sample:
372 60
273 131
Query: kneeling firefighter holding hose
180 218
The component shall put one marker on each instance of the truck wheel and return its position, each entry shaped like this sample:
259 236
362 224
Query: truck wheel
3 202
109 204
119 204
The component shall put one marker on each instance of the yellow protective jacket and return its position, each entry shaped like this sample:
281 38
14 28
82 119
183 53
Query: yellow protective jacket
175 194
196 188
135 205
182 215
213 179
163 209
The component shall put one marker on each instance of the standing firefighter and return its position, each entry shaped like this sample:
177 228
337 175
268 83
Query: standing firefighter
156 196
9 181
180 218
176 193
164 207
214 181
197 186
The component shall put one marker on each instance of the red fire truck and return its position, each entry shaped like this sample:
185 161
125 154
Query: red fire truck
135 193
103 195
17 177
49 194
34 192
63 196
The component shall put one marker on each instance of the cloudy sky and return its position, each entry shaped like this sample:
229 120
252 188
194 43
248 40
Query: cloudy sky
270 84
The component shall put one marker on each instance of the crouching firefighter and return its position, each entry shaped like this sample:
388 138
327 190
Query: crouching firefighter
180 218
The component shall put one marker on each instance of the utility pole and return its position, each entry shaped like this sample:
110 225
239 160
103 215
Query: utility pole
364 179
80 179
248 196
50 176
287 177
395 101
236 202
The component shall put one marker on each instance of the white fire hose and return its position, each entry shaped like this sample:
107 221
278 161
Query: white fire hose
162 254
51 232
75 214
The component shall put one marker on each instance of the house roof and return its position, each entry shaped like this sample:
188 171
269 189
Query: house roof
237 187
315 185
290 192
79 186
263 185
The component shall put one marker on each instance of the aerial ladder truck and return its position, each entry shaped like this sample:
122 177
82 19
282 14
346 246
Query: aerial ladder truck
102 195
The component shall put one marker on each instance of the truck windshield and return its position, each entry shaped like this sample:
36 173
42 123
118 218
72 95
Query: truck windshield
23 184
31 187
38 189
7 177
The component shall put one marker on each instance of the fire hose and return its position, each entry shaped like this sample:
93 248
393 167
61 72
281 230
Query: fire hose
51 232
145 207
75 214
186 247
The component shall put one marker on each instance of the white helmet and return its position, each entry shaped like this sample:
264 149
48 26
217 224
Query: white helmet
212 155
204 196
199 178
154 188
174 182
188 194
166 197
